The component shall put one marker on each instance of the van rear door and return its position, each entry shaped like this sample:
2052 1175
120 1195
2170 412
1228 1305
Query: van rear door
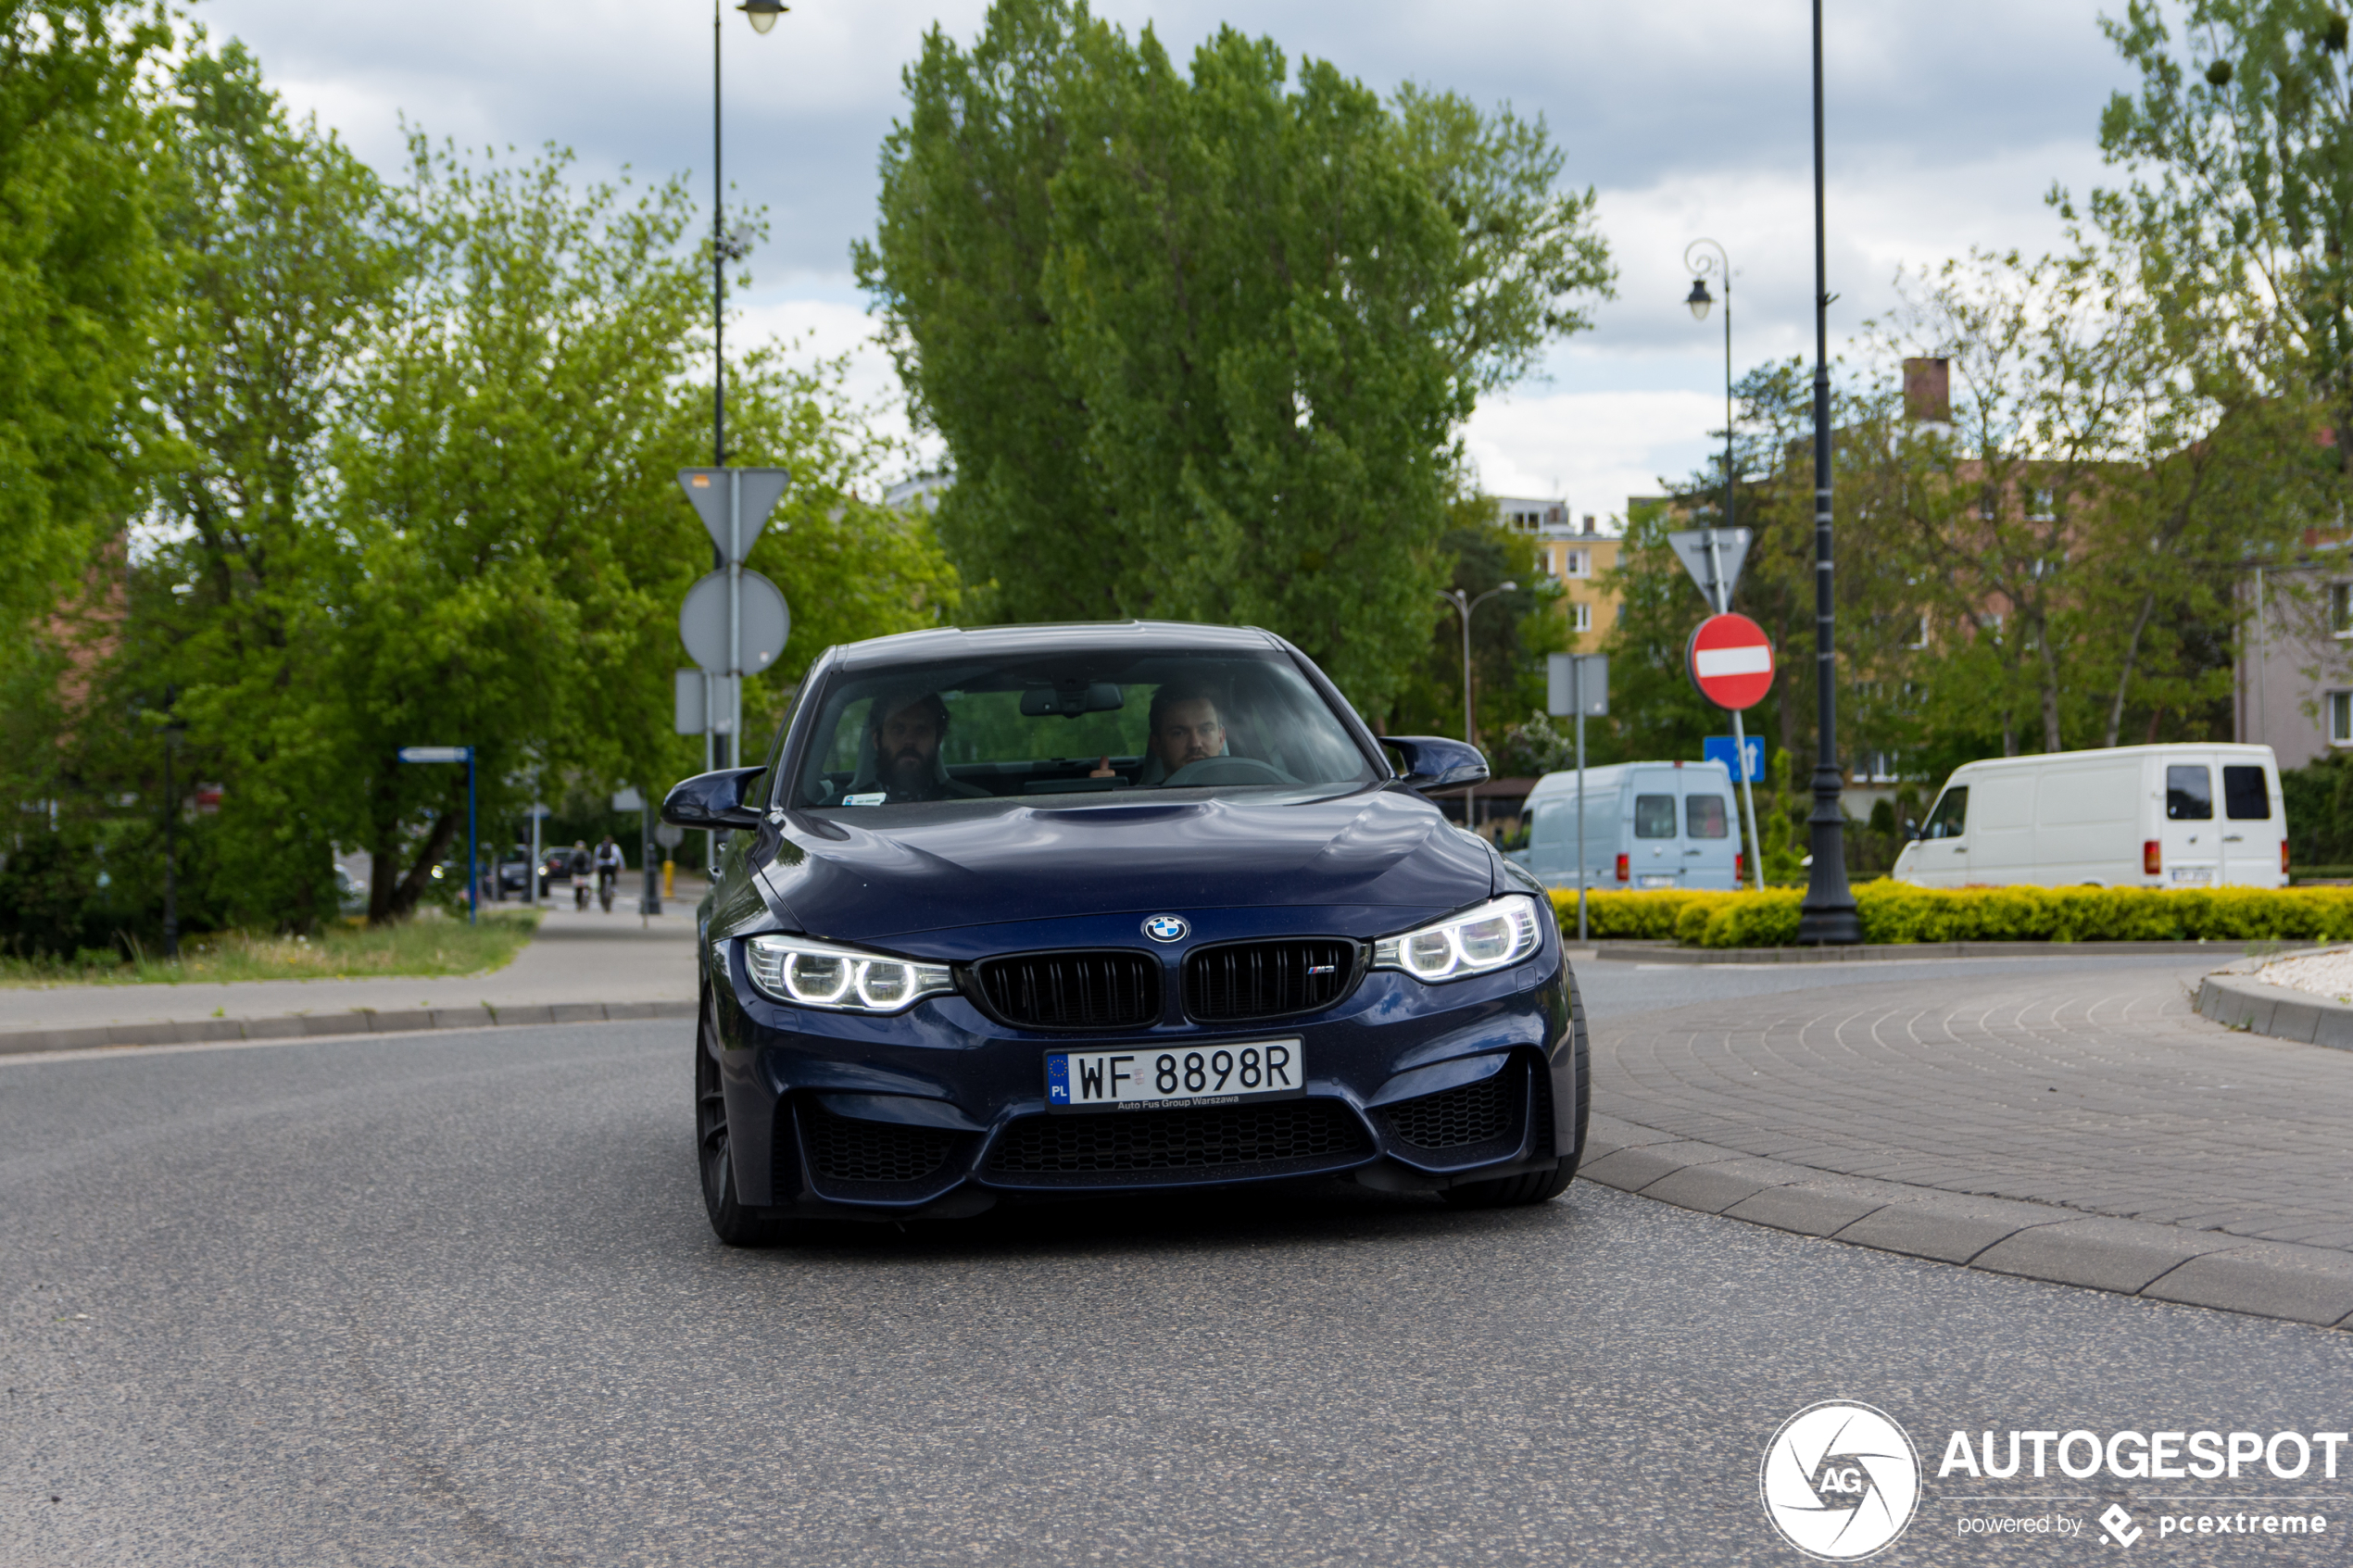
2191 837
1708 836
1657 850
2253 826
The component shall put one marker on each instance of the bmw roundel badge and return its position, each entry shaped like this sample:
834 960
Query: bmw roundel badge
1166 928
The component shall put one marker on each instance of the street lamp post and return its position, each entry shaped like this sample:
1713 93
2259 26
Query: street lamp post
173 729
1827 917
1464 607
1700 264
725 247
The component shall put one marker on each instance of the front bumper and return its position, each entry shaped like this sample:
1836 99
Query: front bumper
940 1110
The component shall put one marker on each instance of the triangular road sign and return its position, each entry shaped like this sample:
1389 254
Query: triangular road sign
1732 549
717 495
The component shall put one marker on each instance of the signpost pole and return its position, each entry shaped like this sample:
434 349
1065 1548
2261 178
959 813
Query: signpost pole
735 611
1577 688
473 870
1720 601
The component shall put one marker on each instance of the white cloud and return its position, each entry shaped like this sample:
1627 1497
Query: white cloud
1596 448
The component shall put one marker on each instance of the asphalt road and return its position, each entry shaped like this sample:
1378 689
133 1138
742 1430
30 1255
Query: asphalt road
449 1298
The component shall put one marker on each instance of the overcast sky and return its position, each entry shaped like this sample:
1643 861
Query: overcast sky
1946 124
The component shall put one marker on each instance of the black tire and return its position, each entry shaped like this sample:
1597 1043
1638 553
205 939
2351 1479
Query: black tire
1539 1186
730 1221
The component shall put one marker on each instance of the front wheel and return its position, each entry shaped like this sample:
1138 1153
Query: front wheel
733 1224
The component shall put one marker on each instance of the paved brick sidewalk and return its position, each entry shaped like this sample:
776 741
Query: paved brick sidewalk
2096 1090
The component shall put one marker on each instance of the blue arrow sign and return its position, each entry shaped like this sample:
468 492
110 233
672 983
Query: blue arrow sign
1719 749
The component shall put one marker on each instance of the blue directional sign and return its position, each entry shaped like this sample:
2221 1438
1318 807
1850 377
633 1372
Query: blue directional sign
1720 749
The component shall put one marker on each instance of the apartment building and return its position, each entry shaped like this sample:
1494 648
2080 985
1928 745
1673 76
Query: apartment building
1575 556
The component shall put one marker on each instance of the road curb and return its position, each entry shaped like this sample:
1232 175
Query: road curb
2240 1001
357 1021
2040 1241
1644 952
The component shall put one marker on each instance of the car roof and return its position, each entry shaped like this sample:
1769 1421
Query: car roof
1139 637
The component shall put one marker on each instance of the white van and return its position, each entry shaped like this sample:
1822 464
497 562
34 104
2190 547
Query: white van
2134 816
1647 824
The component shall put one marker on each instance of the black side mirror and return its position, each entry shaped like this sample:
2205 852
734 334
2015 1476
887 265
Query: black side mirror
711 800
1434 762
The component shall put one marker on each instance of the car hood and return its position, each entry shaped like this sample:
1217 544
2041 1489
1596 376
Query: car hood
860 877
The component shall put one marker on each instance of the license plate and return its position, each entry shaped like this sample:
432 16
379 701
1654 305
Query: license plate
1176 1077
2200 874
1653 881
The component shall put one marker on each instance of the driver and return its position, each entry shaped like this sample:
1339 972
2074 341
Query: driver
903 737
1186 726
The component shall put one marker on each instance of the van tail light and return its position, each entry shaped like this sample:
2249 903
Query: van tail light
1625 868
2152 862
1739 870
2283 857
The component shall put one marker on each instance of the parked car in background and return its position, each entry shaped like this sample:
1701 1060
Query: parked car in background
1024 913
561 864
2131 816
515 870
1647 824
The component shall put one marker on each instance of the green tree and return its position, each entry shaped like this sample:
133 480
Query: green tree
2241 138
79 271
1199 342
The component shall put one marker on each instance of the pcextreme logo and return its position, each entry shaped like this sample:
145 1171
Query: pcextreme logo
1840 1481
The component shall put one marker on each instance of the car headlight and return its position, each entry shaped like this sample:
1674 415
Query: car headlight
1493 936
818 974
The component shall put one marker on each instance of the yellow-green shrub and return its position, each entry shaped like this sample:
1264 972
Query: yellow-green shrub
1898 912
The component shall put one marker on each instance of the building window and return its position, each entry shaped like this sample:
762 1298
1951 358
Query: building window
1919 633
1577 563
2341 608
2341 718
1580 618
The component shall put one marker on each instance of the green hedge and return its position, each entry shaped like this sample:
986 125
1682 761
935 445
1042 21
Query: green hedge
1898 912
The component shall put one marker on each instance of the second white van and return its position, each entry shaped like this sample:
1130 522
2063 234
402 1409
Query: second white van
2132 816
1647 824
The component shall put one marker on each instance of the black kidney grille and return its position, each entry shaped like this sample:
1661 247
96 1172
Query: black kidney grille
1175 1140
1110 990
1267 979
1467 1115
842 1149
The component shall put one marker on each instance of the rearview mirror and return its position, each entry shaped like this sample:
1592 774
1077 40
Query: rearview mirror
713 800
1070 699
1434 762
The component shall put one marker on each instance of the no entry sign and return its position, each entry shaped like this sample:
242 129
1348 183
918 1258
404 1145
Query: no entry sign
1730 661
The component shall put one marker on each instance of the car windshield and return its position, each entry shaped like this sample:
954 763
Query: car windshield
1071 721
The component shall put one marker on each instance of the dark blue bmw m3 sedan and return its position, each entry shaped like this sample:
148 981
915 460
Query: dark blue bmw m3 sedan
1035 912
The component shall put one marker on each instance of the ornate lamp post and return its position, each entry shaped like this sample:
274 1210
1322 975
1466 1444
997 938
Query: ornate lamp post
1699 299
1827 917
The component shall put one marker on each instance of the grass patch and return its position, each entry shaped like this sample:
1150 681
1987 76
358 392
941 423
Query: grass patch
428 945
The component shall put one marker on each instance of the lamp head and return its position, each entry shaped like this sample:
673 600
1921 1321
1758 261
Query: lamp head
1699 299
1511 587
762 13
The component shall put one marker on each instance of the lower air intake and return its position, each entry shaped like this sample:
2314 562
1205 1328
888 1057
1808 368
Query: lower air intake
1222 1137
842 1149
1458 1117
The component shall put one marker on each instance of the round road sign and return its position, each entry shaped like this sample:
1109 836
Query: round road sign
1730 661
702 622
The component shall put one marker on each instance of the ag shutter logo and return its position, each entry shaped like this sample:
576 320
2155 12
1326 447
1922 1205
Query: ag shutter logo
1166 928
1840 1481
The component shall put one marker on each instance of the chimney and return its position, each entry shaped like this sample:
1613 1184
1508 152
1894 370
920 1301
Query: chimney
1589 522
1928 390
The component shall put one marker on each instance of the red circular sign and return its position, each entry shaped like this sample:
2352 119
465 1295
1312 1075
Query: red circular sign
1730 661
